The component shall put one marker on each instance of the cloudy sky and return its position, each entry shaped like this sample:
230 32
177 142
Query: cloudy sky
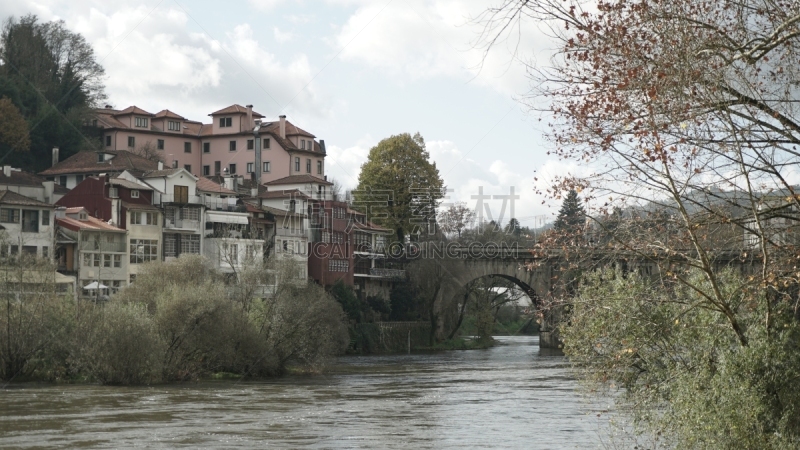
350 71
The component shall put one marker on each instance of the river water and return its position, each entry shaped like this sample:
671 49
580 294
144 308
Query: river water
509 396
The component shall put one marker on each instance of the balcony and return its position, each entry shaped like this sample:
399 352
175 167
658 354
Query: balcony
103 247
181 199
182 224
375 272
222 204
292 233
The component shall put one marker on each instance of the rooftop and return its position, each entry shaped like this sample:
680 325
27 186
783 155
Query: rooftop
87 162
12 198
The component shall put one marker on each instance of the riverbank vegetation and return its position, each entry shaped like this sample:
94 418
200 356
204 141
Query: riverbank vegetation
178 321
682 119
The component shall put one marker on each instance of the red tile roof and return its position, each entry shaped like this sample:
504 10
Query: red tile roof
12 198
21 178
134 110
234 109
91 223
282 194
170 114
206 185
298 179
86 162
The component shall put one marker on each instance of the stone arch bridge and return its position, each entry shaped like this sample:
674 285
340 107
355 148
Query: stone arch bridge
540 273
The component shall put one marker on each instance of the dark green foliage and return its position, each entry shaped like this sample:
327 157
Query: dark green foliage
51 75
571 216
403 302
347 298
379 304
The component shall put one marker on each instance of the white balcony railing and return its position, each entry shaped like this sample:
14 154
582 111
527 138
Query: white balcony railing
181 199
182 224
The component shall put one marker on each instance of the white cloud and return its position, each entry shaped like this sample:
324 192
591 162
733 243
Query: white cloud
282 36
418 39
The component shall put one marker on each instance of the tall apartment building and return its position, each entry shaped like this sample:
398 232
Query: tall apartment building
226 146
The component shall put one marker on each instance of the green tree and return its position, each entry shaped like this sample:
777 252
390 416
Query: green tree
13 128
399 169
52 76
456 218
513 227
571 215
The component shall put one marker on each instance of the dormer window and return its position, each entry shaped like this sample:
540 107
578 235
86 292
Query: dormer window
225 122
83 216
141 122
100 157
173 125
135 193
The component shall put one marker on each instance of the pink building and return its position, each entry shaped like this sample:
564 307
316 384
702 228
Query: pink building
224 146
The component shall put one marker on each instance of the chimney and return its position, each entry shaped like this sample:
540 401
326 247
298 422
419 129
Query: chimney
322 147
61 212
283 126
7 171
161 165
108 106
49 187
55 156
115 212
249 118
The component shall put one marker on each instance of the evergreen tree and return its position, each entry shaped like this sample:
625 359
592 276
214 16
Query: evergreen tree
513 227
571 215
51 75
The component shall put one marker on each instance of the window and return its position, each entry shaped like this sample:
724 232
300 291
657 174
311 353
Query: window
206 170
29 250
225 122
250 168
308 166
141 122
101 157
169 245
160 144
180 193
230 254
173 125
232 169
62 180
113 192
265 144
131 141
266 166
106 260
78 179
206 147
188 167
143 250
30 221
232 146
250 143
297 164
319 167
134 193
217 168
144 218
117 260
190 243
95 259
45 218
338 265
108 141
45 251
187 147
175 164
303 144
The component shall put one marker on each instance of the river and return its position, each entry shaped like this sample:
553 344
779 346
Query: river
510 396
